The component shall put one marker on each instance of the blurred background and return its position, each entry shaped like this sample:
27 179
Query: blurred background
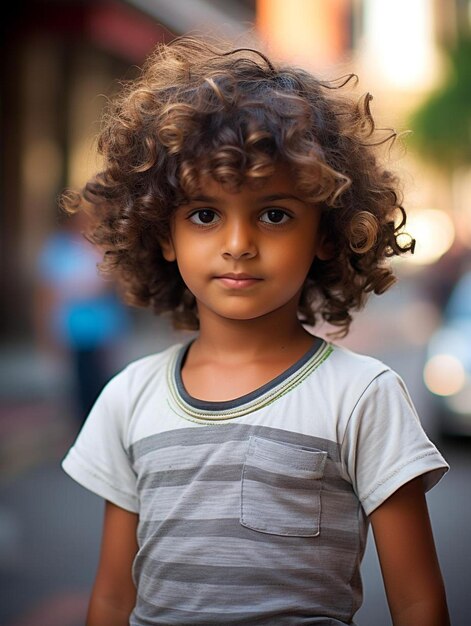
63 330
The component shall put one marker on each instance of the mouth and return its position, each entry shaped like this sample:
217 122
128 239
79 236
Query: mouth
237 281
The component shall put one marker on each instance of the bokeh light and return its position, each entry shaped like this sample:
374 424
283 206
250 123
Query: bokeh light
444 375
434 232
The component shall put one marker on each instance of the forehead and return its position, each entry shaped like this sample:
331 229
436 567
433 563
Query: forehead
282 181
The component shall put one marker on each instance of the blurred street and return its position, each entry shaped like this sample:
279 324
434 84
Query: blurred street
62 61
50 527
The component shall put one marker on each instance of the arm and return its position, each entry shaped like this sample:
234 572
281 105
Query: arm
114 595
408 560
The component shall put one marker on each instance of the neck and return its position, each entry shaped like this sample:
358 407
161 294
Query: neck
245 340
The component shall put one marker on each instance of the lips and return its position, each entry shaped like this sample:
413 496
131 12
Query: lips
237 281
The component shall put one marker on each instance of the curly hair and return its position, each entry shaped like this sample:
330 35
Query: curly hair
198 110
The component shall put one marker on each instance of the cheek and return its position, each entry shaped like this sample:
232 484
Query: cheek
298 255
192 262
192 254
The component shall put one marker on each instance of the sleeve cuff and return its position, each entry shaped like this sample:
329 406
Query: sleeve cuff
95 482
431 466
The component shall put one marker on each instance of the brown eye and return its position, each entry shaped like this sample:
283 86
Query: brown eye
275 216
204 216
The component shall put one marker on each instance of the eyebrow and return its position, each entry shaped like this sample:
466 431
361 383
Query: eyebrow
270 198
281 196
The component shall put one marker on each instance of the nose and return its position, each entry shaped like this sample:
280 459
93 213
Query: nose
239 240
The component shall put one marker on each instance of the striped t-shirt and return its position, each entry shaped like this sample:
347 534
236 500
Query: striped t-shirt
253 511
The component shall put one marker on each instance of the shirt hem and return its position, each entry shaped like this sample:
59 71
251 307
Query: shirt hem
96 484
429 464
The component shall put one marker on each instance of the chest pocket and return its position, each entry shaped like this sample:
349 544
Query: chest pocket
281 488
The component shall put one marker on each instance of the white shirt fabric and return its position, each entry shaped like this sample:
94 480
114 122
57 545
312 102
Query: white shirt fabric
254 510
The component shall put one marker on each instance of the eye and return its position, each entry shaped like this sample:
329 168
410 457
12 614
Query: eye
204 216
275 216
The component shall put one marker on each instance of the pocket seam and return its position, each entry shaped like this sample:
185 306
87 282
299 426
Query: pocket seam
255 450
315 522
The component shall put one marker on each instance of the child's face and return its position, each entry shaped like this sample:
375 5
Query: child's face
247 254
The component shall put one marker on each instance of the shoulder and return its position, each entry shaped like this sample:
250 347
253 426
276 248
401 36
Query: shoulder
150 365
383 442
136 386
152 362
352 370
342 381
367 384
141 373
347 356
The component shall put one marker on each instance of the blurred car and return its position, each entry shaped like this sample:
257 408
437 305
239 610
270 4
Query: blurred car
447 371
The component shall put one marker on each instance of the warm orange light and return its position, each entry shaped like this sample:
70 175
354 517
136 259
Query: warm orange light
444 375
434 232
307 32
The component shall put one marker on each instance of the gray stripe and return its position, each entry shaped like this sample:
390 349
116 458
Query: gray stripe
172 478
194 501
229 552
233 575
197 595
221 433
341 538
152 614
223 473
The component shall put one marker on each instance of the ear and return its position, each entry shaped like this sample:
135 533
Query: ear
325 248
168 250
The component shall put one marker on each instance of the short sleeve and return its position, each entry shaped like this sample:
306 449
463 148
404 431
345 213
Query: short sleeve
385 445
98 460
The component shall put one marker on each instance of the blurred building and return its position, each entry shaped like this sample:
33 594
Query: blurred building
399 52
60 60
62 57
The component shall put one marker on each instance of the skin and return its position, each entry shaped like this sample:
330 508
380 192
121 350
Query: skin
245 257
408 559
249 330
114 595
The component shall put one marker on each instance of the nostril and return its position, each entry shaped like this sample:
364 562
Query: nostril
239 254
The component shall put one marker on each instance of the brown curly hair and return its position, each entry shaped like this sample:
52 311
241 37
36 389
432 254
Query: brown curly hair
199 109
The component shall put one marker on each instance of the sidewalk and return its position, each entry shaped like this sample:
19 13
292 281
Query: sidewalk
35 430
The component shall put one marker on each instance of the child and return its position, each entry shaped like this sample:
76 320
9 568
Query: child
241 471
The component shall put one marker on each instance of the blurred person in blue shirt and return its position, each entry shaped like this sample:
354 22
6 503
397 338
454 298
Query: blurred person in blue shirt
79 314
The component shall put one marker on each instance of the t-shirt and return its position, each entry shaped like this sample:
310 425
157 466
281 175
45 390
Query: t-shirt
253 510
